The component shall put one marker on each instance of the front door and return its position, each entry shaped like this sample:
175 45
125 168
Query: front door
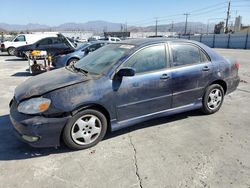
20 40
149 90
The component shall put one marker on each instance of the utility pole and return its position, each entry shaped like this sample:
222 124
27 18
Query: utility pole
126 27
186 14
172 28
228 16
156 25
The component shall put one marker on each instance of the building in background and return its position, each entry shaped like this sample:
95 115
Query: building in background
237 24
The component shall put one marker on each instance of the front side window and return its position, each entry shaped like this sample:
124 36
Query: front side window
148 59
185 54
20 38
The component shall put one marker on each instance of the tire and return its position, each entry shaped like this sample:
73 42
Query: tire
72 61
212 99
11 50
85 129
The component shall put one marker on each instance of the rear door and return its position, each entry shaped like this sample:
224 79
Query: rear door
44 44
190 71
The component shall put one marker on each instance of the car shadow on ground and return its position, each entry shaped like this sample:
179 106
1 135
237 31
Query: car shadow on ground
4 54
13 149
22 74
15 59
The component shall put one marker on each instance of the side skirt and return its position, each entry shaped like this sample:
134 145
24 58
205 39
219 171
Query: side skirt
116 125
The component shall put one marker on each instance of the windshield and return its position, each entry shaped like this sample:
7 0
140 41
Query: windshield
102 59
83 46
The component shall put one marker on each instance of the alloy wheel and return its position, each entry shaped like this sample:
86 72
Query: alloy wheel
86 129
214 99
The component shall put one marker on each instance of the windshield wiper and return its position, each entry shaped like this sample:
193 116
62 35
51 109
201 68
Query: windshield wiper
80 70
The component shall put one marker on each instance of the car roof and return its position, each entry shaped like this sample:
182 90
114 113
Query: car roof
139 43
148 41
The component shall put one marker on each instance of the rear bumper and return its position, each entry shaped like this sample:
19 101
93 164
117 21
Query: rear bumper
37 131
232 84
3 49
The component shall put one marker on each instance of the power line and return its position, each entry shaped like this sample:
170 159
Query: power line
210 11
208 7
213 13
174 15
240 0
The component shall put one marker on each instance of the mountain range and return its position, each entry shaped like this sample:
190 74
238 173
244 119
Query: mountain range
100 26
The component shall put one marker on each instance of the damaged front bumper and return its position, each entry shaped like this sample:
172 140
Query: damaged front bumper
36 130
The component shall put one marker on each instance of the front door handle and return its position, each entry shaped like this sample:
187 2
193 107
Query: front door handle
165 77
206 68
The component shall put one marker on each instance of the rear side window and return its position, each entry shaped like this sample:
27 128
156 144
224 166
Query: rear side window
20 38
46 41
149 59
56 41
185 54
204 57
95 46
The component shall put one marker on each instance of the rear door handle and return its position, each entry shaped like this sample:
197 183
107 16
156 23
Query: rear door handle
165 77
206 68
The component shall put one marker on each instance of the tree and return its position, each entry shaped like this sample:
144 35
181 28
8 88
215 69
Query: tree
218 28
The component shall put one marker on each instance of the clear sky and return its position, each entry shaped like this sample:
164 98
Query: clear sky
134 12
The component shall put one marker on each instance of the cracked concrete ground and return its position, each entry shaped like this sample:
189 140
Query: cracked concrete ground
185 150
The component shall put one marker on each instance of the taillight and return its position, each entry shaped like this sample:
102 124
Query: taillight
237 65
2 45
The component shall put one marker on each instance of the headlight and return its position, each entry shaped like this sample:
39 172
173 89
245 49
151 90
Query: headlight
34 106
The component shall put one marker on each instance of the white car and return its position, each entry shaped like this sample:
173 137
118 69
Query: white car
110 39
21 40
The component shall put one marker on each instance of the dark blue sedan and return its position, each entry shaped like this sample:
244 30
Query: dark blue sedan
117 86
66 59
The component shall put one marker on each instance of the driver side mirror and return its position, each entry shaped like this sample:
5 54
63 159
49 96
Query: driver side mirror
86 51
126 71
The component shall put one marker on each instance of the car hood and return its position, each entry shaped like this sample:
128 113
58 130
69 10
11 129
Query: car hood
46 82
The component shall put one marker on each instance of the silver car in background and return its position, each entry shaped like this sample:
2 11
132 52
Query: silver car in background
63 60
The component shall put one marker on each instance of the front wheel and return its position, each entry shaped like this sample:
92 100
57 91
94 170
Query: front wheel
85 129
72 61
213 99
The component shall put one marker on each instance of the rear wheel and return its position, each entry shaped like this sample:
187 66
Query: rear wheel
85 129
72 61
11 50
213 99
